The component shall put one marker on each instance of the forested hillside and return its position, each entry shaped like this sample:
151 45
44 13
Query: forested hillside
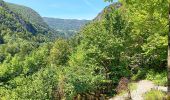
127 39
69 27
28 14
35 19
19 39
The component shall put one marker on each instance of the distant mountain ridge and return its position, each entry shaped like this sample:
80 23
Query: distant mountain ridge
70 26
44 25
67 26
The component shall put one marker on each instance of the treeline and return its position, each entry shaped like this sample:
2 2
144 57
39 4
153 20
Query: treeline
128 41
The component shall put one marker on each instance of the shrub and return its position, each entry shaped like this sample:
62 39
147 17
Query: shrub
155 95
159 78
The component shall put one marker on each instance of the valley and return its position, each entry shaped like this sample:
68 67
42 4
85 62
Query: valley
122 50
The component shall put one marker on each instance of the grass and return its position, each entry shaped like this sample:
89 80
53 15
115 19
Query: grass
155 95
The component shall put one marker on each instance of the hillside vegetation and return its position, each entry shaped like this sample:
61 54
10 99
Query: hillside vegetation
35 19
129 40
28 14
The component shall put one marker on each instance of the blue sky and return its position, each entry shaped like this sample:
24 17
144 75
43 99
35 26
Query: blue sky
68 9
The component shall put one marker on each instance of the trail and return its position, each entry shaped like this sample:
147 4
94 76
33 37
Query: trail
143 86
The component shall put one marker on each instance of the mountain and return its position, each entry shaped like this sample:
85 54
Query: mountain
56 27
17 34
31 16
28 14
67 26
8 13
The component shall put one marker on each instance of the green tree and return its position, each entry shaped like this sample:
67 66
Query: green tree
60 52
101 54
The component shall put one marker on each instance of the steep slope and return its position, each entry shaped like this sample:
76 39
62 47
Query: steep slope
15 31
67 26
28 14
35 19
24 23
106 10
18 39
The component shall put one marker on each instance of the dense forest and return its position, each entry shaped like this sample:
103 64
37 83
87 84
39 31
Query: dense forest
127 39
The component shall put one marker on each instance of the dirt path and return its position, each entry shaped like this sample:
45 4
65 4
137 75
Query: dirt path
143 86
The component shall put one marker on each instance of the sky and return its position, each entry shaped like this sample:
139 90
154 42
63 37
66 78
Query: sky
66 9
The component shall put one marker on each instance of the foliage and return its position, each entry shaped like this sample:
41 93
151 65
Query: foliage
148 36
23 74
159 78
140 74
59 52
100 54
126 42
109 0
155 95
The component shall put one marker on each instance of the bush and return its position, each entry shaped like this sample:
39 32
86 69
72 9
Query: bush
155 95
159 78
141 73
